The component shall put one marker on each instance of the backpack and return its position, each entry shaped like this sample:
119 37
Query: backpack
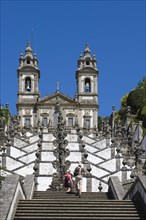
66 180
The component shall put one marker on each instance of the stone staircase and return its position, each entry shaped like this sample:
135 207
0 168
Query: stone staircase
21 157
60 205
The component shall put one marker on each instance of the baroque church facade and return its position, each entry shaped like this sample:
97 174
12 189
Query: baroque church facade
34 110
48 138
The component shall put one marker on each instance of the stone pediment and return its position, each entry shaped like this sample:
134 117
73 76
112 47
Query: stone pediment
61 98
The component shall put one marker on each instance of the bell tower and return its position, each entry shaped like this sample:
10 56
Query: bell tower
87 89
28 86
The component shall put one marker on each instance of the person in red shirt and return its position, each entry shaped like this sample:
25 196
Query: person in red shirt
68 181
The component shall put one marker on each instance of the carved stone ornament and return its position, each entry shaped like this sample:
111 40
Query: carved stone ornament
27 111
60 152
87 113
55 186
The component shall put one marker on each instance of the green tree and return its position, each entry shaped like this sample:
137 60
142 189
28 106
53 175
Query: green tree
4 115
124 100
136 99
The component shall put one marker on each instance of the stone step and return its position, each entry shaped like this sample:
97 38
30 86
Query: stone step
69 196
76 214
59 205
79 214
64 195
77 201
77 218
75 207
85 194
60 209
62 192
75 211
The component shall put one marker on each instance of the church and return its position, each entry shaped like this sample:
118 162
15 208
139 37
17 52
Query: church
33 109
53 134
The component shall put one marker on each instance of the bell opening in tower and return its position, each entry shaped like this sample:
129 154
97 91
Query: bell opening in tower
87 86
28 84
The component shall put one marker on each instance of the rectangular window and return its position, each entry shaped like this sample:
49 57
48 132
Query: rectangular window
70 121
45 121
55 119
27 122
87 123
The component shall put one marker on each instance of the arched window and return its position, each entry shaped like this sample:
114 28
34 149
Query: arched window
28 84
28 61
87 86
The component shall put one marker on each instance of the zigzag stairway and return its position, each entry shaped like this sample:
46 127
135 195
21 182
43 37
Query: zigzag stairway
60 205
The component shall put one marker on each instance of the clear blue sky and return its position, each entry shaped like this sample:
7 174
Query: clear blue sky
115 31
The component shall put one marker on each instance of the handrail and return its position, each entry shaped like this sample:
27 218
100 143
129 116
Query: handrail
116 188
10 193
138 186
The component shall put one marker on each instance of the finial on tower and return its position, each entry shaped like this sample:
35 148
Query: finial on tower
28 48
35 59
87 51
28 51
21 58
28 43
86 44
94 56
21 54
81 55
87 47
35 56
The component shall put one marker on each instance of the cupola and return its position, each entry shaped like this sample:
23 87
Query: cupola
28 50
87 60
28 59
28 55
